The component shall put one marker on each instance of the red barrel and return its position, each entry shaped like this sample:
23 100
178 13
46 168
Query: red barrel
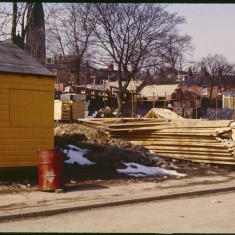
50 169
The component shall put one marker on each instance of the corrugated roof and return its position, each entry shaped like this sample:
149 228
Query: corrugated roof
15 60
158 90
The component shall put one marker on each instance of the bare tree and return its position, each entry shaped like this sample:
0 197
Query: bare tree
14 19
24 23
175 50
69 35
216 67
5 20
130 34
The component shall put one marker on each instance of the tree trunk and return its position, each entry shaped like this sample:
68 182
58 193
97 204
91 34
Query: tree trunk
120 104
14 22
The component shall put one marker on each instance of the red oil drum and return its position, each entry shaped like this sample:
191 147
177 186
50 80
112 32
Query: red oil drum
50 169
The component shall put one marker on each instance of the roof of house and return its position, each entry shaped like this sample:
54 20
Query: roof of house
198 80
132 86
159 90
15 60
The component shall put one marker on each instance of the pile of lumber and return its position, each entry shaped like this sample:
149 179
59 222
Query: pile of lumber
68 110
195 140
162 113
209 141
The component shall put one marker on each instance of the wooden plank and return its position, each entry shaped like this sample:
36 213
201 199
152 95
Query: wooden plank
57 109
16 158
190 135
183 143
198 158
4 102
204 148
30 163
185 148
49 145
22 153
26 136
4 96
215 162
193 153
35 80
4 91
4 107
162 128
171 138
26 86
4 119
181 124
18 130
31 141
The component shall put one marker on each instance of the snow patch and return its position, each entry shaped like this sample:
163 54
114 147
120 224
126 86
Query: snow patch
75 154
137 170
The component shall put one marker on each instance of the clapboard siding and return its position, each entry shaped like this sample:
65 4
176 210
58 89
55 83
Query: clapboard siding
34 148
19 142
4 96
24 80
19 163
26 87
4 107
27 130
34 142
5 102
23 153
26 135
4 118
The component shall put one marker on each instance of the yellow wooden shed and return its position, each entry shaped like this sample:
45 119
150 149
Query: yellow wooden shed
26 108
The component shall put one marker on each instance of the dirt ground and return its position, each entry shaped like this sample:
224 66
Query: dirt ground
109 155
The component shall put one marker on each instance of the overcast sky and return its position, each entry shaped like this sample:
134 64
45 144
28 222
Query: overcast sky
211 26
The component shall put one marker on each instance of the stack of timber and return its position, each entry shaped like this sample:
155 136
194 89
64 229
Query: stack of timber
69 110
57 109
162 113
78 109
209 141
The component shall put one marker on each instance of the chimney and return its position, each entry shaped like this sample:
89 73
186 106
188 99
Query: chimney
110 66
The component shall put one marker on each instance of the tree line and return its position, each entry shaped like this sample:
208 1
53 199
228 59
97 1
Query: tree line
132 36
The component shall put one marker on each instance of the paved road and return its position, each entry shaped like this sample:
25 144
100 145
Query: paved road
205 214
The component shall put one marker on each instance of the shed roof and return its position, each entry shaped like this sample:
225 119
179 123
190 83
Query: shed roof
133 85
159 90
15 60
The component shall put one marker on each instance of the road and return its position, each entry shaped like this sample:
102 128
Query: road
204 214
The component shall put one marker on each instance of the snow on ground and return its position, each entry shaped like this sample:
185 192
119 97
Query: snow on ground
75 154
137 170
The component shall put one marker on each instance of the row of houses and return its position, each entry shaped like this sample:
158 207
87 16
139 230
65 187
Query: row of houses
183 89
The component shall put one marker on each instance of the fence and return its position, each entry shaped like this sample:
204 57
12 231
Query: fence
206 113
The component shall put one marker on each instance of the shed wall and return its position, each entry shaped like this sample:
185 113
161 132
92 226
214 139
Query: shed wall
26 119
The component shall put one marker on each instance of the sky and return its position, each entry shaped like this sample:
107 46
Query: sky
211 26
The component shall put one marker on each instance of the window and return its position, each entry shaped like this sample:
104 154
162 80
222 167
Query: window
204 91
